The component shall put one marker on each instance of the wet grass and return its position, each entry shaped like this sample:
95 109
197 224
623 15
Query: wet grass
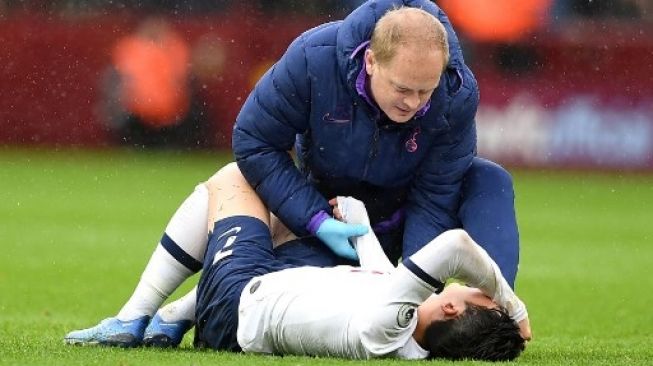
77 227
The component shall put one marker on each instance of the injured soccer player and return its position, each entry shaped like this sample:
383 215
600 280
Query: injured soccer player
249 300
252 296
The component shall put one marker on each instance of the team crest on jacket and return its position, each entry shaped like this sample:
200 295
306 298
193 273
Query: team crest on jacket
411 143
405 315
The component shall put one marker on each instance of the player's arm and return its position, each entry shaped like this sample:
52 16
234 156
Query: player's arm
452 255
370 252
455 255
388 325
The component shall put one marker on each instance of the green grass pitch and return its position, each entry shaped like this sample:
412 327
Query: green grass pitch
77 227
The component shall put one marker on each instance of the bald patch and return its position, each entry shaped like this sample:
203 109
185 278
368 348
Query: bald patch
408 27
411 25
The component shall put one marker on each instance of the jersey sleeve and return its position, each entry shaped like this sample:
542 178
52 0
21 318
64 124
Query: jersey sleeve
370 252
454 254
388 324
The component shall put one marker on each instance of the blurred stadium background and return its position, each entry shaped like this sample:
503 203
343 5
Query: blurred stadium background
87 181
564 83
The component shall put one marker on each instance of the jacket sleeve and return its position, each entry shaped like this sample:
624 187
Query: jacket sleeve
434 197
274 113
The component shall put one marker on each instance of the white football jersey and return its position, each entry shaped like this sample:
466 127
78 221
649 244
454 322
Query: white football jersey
360 313
344 312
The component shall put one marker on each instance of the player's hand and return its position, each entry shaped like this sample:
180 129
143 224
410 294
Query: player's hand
335 234
336 211
525 329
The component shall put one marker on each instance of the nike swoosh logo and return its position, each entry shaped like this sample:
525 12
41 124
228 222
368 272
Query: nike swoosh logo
327 118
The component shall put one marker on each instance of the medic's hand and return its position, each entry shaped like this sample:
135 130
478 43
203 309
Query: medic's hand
335 234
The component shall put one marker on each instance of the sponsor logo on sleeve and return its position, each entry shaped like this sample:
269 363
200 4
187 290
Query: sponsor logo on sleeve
405 315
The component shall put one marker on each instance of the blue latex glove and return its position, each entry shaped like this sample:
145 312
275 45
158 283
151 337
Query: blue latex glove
335 234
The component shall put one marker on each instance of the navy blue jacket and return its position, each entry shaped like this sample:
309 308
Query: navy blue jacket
344 145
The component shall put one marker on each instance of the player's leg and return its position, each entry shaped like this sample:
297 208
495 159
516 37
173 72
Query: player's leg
228 194
171 322
240 248
487 213
177 256
168 326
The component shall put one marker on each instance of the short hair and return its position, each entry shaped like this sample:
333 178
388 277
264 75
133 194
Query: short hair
479 333
393 30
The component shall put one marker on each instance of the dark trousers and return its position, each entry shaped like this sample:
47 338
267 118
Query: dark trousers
487 213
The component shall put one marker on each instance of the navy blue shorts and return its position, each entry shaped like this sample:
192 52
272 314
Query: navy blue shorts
239 249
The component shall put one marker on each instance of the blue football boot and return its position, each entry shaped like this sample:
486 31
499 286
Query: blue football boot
111 332
165 334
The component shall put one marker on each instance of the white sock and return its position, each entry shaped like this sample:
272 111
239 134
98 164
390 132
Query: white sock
162 275
187 227
182 309
177 257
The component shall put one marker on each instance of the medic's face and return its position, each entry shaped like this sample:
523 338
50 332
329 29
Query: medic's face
403 86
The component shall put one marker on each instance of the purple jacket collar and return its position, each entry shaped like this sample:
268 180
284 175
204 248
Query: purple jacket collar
362 79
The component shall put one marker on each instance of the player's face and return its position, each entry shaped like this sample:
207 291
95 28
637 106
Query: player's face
453 301
403 86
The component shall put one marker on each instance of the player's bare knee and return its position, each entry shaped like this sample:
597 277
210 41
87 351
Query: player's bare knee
228 174
230 194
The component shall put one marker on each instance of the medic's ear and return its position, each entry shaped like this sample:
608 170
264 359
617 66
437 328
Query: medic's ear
370 61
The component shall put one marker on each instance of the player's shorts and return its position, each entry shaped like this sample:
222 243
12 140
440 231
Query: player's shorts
239 249
309 251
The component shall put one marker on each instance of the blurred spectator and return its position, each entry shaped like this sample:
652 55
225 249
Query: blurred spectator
149 99
506 25
498 20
